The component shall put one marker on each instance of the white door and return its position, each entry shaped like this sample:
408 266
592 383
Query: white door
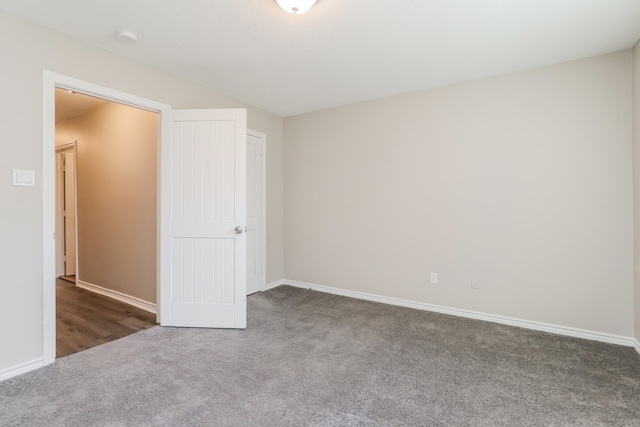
207 286
69 175
255 211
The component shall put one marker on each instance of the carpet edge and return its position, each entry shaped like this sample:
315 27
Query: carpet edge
510 321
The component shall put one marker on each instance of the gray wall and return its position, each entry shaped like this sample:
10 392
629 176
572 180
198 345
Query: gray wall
524 180
26 50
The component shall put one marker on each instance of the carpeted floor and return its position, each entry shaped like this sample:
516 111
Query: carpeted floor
314 359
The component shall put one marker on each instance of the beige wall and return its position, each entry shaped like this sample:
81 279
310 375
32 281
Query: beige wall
26 50
636 181
524 180
117 197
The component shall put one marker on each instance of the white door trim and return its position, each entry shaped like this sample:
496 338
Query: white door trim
263 200
50 82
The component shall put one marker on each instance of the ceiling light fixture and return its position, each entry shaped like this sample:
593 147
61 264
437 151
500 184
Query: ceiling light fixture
127 36
296 7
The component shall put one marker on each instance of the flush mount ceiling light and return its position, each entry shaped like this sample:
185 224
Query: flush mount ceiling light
296 7
127 36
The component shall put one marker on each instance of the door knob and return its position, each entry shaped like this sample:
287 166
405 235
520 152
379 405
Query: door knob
239 230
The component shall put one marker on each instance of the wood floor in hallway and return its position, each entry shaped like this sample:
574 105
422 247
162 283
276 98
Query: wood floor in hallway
85 319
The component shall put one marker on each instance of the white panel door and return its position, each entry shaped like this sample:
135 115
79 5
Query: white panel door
208 219
255 211
69 213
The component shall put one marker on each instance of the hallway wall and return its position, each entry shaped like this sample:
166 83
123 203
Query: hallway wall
117 197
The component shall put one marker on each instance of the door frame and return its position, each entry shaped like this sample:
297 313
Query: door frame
263 201
51 81
60 196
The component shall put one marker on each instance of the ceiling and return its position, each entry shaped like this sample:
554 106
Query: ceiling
70 104
341 51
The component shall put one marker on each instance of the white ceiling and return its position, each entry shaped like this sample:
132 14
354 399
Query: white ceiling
341 51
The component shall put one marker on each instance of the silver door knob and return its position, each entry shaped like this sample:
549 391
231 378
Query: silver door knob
239 230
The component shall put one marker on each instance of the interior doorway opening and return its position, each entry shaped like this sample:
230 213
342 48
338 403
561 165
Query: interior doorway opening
106 209
66 243
51 82
227 118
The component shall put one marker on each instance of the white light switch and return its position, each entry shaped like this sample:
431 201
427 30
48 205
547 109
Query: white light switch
24 178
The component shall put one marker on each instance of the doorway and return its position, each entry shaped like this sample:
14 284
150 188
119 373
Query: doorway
229 119
116 147
51 82
66 243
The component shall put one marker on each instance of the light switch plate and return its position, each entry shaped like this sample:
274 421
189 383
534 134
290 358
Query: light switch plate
24 178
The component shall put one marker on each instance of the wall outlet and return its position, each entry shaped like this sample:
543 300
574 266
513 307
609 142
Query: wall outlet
475 282
434 278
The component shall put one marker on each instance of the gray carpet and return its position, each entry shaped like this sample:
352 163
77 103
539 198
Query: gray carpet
314 359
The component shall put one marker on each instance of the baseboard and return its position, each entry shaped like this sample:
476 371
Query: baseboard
22 368
274 284
119 296
527 324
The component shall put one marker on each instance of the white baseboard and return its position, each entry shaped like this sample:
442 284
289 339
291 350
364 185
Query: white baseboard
274 284
22 368
119 296
527 324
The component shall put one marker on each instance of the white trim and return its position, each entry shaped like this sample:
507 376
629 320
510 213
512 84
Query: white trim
50 82
276 284
48 219
22 368
521 323
67 146
119 296
163 237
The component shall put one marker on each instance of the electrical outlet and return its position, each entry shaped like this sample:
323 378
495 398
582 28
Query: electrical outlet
475 282
434 278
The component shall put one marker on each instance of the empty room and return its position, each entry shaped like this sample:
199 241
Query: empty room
378 212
